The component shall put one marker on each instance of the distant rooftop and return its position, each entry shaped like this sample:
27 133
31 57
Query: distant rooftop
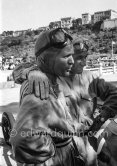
65 18
85 13
105 11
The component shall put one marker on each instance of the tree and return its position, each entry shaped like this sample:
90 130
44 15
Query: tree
25 57
96 26
51 25
36 32
29 33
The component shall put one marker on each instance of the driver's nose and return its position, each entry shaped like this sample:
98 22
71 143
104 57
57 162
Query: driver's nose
71 60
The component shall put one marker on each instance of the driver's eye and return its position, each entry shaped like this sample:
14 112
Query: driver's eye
67 56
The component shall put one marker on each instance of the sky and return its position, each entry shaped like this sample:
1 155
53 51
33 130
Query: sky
26 14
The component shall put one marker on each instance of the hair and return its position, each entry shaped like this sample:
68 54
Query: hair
77 49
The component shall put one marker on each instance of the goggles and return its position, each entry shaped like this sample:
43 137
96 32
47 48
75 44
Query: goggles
81 46
58 38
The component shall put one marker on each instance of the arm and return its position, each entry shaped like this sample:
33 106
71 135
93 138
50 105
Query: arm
29 146
21 71
38 81
107 93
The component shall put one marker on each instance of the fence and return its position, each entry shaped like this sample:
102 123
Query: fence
104 70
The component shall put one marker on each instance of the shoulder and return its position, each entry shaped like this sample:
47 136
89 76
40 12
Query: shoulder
32 103
91 75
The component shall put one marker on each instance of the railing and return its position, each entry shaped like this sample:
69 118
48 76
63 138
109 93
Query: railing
103 70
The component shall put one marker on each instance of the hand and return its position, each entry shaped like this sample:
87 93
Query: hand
39 84
106 113
85 120
26 68
25 73
98 122
79 127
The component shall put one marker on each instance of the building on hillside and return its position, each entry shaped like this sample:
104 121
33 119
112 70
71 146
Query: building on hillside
66 22
86 18
7 33
17 33
56 24
21 32
108 24
102 15
76 22
92 19
43 28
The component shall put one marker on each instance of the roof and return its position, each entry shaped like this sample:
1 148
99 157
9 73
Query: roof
85 13
66 18
105 11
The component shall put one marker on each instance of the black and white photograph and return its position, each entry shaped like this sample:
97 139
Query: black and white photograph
58 82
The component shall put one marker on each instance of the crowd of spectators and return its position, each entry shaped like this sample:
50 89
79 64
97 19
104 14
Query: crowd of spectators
10 64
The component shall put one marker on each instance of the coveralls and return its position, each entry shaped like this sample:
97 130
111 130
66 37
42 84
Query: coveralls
90 87
44 131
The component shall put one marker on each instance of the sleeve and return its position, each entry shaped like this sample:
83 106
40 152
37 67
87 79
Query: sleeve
21 71
107 92
29 138
37 124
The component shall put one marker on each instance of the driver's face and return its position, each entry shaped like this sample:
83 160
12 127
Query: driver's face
79 63
64 62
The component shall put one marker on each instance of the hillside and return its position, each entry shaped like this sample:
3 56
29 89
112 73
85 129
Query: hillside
98 41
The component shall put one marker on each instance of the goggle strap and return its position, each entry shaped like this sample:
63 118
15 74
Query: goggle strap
85 45
56 44
43 49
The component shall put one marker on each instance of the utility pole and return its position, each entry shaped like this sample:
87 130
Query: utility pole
112 50
112 47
